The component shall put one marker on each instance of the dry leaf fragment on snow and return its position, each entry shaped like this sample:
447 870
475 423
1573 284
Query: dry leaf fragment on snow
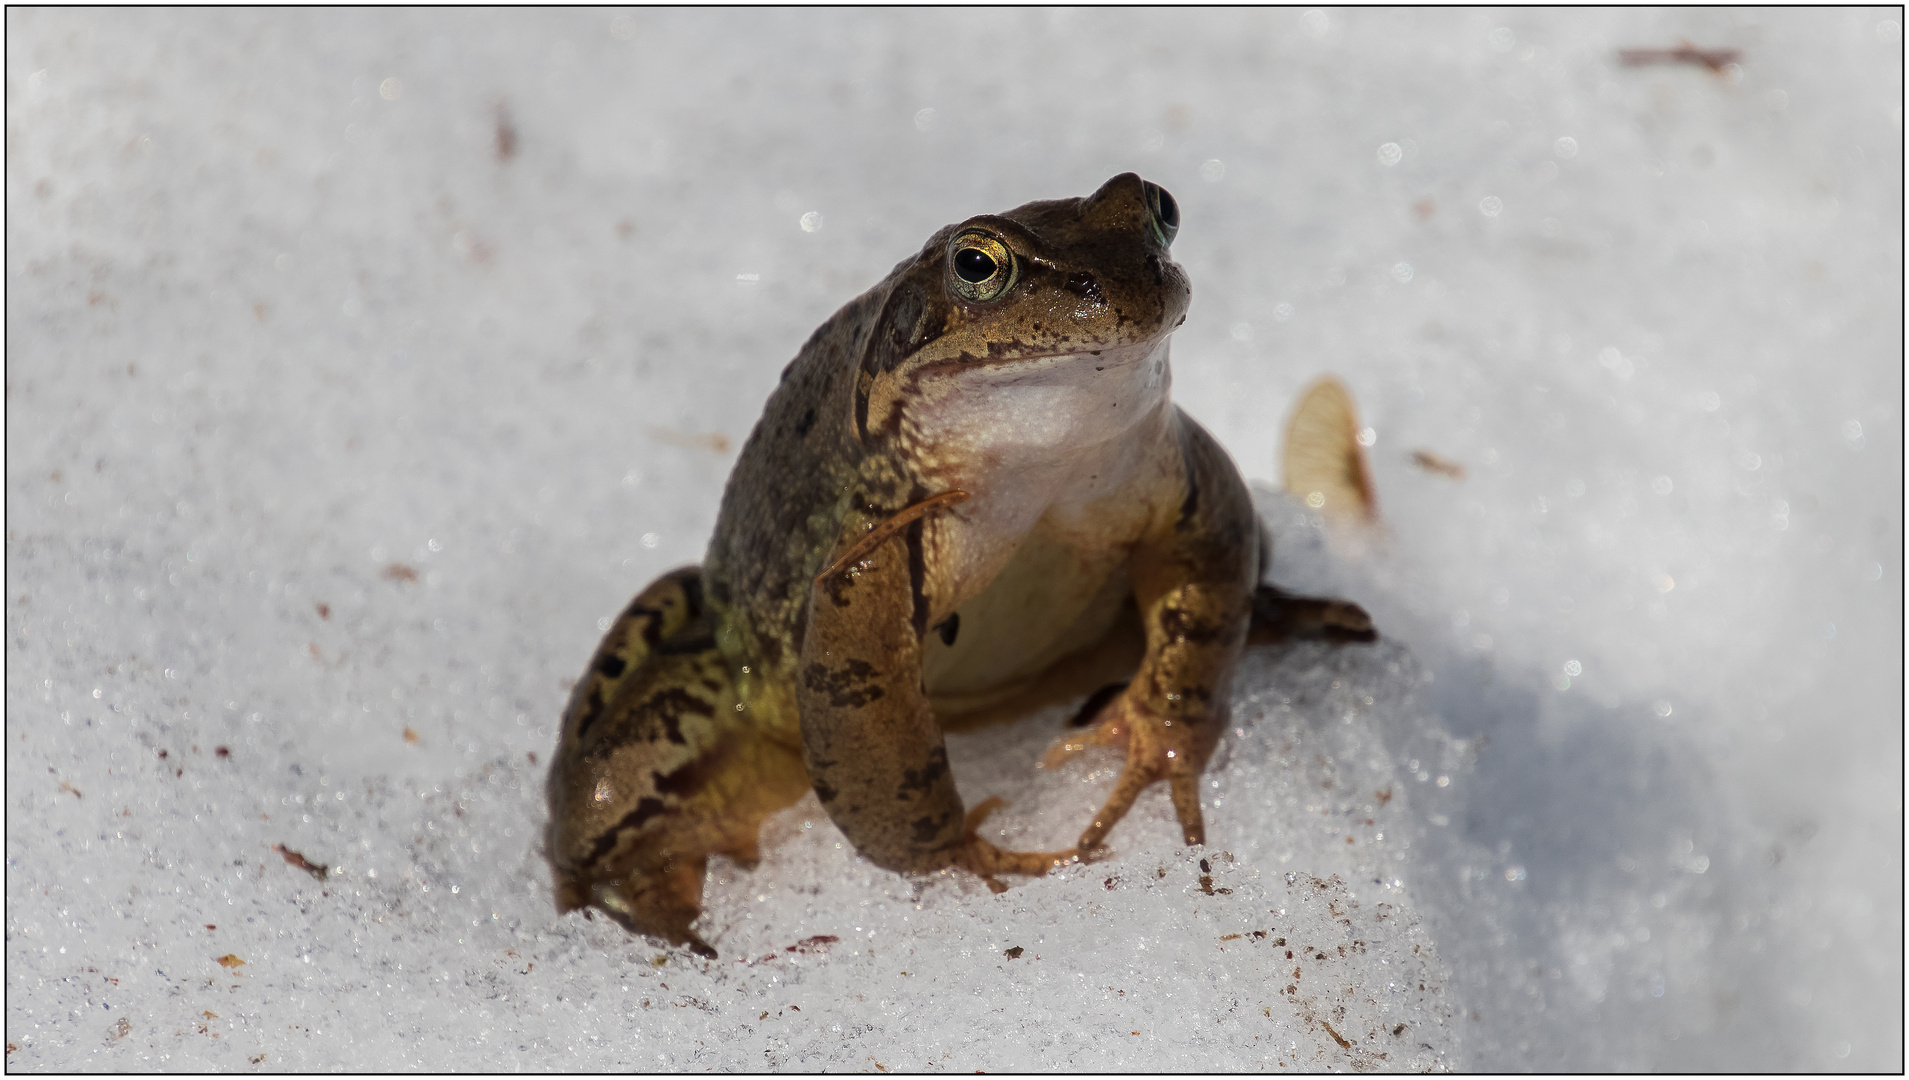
1323 461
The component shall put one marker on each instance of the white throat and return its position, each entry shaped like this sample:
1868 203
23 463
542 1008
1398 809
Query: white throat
1055 413
1023 439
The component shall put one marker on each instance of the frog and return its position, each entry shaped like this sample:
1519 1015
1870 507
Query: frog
969 473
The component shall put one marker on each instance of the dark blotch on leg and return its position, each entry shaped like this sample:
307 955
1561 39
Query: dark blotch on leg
646 808
924 778
927 828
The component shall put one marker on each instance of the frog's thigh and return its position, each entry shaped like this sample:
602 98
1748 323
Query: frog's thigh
672 773
669 607
873 749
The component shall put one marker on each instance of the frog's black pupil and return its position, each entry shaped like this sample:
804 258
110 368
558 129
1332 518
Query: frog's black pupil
1169 210
973 265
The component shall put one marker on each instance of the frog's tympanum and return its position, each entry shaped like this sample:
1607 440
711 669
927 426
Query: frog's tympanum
969 473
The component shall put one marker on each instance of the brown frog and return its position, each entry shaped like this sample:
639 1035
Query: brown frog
967 474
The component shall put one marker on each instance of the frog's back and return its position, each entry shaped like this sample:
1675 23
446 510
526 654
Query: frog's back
783 504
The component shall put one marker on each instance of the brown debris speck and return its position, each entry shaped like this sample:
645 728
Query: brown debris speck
221 751
506 134
71 790
410 736
1685 53
397 571
715 442
316 870
1431 462
324 611
231 960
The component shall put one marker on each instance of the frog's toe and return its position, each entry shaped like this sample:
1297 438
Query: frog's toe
985 861
1185 787
1112 731
1134 779
980 813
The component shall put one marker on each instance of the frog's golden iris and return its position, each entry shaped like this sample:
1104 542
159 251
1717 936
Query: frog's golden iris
981 268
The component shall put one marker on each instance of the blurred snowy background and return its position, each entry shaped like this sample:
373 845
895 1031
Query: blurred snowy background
362 364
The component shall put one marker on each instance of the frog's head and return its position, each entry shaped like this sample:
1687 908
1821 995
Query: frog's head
1049 321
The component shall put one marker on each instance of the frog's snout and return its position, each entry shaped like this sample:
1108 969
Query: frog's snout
1130 195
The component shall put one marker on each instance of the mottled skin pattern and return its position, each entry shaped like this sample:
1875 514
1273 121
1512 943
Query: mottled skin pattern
1038 392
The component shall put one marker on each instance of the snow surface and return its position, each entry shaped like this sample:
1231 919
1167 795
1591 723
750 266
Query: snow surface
298 296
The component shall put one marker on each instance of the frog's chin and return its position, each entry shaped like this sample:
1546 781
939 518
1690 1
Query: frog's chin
1035 411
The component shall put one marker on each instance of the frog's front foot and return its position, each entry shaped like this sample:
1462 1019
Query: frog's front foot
1158 748
984 860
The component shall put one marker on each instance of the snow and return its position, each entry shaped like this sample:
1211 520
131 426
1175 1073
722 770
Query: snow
295 297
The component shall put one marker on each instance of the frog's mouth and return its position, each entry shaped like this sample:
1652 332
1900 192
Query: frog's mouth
1093 361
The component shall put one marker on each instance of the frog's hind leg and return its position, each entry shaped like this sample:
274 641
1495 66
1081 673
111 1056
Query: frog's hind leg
1282 616
661 611
659 768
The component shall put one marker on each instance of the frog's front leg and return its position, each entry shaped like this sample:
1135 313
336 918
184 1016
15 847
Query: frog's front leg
873 748
1193 580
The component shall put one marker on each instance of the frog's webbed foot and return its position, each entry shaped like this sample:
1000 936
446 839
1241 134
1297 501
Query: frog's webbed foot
984 860
1156 749
1282 616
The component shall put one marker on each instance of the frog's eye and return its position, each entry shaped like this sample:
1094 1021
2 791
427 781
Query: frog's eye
1164 211
981 267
